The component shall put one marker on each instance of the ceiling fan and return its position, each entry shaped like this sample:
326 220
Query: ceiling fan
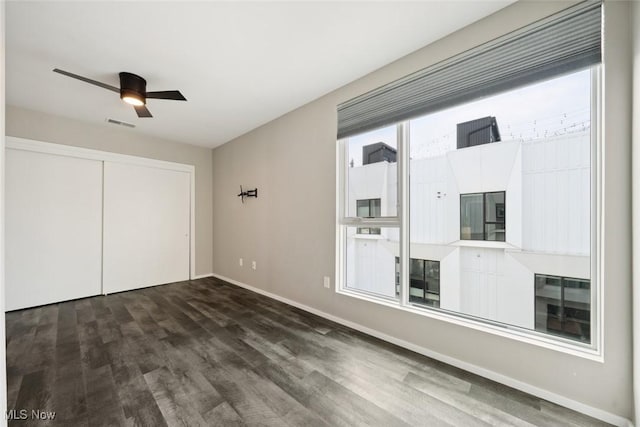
133 90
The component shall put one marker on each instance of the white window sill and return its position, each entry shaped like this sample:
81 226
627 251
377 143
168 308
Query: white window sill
529 337
483 244
369 236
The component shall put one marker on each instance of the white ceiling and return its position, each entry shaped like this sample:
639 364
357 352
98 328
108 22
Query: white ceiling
239 64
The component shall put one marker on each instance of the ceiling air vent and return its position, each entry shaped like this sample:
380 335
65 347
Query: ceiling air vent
119 123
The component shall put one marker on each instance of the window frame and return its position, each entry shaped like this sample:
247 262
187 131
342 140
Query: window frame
425 288
562 280
484 216
593 351
344 220
369 229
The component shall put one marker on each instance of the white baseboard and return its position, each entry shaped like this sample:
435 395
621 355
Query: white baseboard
202 276
486 373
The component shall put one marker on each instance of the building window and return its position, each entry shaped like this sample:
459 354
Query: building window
563 306
368 208
424 282
397 277
482 216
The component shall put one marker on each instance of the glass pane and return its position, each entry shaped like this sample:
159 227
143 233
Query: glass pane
471 227
494 207
416 270
526 151
371 261
577 312
548 302
424 282
369 208
362 208
495 232
374 208
495 213
417 287
578 284
372 172
432 273
368 230
563 307
397 277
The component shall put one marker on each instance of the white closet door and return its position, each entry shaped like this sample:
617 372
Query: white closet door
146 226
53 228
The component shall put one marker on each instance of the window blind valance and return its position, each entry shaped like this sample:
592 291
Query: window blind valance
566 41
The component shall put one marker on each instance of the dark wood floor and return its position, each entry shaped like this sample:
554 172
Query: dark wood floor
206 352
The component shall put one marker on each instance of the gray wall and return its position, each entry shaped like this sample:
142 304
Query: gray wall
44 127
635 25
3 359
290 229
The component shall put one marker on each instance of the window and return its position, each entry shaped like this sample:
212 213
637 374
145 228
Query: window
372 174
368 208
471 217
424 282
420 160
563 306
451 223
371 241
370 267
482 216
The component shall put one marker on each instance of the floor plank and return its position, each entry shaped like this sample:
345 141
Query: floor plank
206 352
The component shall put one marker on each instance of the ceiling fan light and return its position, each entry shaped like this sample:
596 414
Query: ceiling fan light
133 100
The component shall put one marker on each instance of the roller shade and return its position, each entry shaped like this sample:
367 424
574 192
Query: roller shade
566 41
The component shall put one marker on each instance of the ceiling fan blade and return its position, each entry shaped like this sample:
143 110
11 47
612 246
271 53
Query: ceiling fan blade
142 111
84 79
167 94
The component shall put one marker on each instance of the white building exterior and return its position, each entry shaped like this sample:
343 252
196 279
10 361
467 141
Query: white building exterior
547 185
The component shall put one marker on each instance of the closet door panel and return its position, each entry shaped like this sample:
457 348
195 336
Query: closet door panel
53 228
146 226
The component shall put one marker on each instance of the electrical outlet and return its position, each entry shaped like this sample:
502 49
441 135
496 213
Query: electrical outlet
240 262
254 265
327 282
